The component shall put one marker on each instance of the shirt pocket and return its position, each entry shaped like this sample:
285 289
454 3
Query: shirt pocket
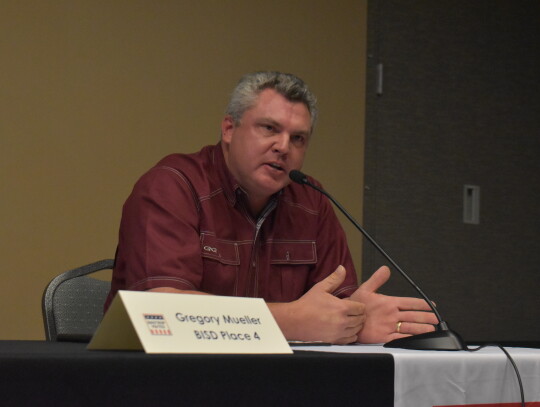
293 252
221 261
224 251
292 261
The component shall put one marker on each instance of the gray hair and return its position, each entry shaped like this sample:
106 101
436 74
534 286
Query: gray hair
292 88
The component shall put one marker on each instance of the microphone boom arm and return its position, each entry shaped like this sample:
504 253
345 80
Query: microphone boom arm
443 338
379 248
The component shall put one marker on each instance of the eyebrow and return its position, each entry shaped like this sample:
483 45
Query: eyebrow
277 124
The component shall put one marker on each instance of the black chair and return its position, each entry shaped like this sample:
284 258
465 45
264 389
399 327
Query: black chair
72 303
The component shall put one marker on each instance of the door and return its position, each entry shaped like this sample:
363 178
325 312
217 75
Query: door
453 100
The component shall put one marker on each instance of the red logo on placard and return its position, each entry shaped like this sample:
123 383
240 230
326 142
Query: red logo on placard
157 324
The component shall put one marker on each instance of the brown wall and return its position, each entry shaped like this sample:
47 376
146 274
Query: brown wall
92 93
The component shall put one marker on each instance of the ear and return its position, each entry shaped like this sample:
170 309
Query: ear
227 129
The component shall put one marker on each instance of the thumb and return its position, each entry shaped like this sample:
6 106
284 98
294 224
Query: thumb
333 281
376 281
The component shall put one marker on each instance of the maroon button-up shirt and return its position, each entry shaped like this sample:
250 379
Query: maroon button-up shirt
186 226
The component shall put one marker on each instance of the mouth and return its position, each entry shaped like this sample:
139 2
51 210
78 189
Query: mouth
276 166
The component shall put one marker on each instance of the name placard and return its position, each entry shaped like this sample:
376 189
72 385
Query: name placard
185 323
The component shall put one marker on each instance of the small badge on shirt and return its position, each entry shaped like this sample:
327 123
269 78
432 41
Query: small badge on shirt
156 324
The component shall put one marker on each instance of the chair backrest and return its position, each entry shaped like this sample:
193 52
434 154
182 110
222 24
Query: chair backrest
72 304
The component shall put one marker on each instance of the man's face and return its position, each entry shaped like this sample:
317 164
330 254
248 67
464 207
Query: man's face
270 140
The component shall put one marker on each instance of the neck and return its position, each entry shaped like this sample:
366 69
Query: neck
256 206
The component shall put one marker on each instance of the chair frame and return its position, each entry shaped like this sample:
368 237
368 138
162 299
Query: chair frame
47 302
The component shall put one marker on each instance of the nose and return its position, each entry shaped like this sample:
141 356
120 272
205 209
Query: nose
281 144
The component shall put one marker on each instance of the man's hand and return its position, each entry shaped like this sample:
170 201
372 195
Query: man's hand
320 316
386 315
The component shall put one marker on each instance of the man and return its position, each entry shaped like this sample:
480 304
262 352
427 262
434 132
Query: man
227 221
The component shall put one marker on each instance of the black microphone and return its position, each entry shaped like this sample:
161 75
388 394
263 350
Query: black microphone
442 338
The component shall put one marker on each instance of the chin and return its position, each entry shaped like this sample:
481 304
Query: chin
269 186
271 190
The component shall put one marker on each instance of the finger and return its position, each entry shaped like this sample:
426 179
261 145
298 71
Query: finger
395 335
409 328
412 304
420 317
347 339
355 326
332 282
355 308
348 321
376 281
353 320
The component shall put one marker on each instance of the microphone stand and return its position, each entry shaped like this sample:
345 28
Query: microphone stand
443 338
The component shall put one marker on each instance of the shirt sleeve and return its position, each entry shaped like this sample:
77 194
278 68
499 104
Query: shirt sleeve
159 240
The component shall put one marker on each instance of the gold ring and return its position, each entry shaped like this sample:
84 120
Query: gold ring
398 326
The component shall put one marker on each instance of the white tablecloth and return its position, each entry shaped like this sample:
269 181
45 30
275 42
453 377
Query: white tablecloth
444 378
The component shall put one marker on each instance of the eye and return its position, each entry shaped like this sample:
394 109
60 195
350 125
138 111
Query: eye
267 129
298 140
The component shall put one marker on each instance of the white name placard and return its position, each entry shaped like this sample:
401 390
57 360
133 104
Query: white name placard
186 323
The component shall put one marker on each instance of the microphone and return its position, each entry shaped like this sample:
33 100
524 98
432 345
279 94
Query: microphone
442 338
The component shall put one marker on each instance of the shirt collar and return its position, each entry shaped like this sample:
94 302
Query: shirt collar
230 185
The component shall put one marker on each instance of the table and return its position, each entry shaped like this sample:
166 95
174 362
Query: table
448 378
37 373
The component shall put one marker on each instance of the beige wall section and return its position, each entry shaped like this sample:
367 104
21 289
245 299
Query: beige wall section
92 93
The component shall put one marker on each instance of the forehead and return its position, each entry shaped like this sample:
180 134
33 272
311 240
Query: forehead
274 106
